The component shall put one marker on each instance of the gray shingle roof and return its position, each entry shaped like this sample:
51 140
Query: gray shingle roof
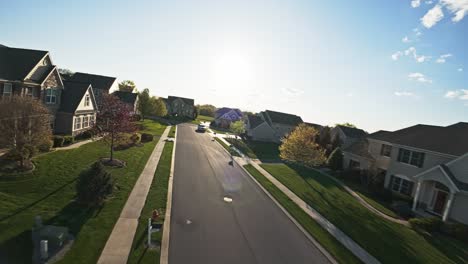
283 118
360 148
352 132
15 64
254 121
72 95
188 101
460 185
452 140
126 97
97 81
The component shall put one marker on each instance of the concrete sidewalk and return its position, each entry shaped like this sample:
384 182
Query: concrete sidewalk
357 250
120 241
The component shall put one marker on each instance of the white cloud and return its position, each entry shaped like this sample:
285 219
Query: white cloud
292 91
432 16
422 58
403 93
397 55
460 69
461 94
443 58
415 3
417 76
406 40
457 7
429 2
411 51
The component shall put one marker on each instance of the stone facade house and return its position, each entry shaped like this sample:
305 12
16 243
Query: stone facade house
225 116
347 135
179 106
271 125
427 163
25 72
101 84
78 110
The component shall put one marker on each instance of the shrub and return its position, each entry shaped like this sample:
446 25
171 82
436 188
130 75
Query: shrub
58 141
135 138
456 230
432 224
46 146
335 161
352 175
145 137
68 140
85 135
94 185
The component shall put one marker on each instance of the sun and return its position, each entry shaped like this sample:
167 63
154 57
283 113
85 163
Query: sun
232 67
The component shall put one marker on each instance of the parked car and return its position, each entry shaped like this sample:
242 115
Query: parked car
201 128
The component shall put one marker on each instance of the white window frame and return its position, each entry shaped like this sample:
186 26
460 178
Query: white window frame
52 96
85 121
87 100
9 85
401 185
92 120
77 123
26 91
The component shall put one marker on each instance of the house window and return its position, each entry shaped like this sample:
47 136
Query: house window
85 121
7 89
28 91
86 102
411 157
386 150
91 120
354 164
401 185
51 96
77 123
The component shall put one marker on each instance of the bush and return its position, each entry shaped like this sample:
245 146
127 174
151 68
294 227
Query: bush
456 230
135 138
94 185
335 161
68 140
58 141
85 135
352 175
432 224
145 137
45 146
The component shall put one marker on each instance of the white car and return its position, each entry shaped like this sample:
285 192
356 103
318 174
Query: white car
201 128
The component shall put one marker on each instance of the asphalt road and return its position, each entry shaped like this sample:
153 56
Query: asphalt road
207 229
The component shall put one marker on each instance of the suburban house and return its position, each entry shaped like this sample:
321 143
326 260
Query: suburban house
130 99
26 72
427 163
179 106
101 84
316 126
347 135
271 125
225 116
78 109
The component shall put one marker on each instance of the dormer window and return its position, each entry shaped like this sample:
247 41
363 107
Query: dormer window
7 89
87 100
51 96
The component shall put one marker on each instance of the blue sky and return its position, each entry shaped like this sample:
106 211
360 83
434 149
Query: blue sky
327 61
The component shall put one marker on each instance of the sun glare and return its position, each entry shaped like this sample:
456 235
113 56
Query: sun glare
232 67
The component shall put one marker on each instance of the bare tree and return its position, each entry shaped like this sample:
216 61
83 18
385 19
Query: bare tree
24 126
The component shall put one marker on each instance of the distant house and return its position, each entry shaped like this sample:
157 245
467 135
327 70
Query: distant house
25 72
179 106
101 84
130 99
347 135
78 109
271 125
427 163
225 116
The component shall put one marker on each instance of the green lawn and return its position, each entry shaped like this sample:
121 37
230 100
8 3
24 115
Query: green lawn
335 248
387 241
265 151
243 147
172 132
221 131
202 118
156 199
50 192
233 152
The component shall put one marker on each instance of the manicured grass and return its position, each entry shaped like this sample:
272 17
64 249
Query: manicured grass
156 199
387 241
172 132
234 153
50 193
244 148
220 131
335 248
265 151
201 118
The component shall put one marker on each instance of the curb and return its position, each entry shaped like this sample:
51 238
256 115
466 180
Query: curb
299 226
164 258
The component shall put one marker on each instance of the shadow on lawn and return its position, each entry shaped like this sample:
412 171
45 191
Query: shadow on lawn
38 201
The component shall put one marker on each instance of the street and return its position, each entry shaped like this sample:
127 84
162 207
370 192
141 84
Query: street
220 215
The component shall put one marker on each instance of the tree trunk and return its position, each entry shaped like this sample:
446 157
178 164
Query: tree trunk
112 147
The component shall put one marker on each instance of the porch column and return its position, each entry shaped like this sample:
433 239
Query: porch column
447 207
416 196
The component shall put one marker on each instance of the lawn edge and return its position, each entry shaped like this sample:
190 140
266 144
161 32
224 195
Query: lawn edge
164 257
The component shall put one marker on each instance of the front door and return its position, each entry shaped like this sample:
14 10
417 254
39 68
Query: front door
439 203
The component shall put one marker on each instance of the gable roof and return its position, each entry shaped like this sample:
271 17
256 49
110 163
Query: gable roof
460 185
360 148
282 118
352 132
97 81
224 110
188 101
316 126
16 64
126 97
254 121
72 95
452 140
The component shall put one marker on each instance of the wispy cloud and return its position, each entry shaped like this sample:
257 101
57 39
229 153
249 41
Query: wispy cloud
429 2
292 91
419 77
405 40
411 51
404 94
432 17
397 55
461 94
415 3
460 69
443 58
457 7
